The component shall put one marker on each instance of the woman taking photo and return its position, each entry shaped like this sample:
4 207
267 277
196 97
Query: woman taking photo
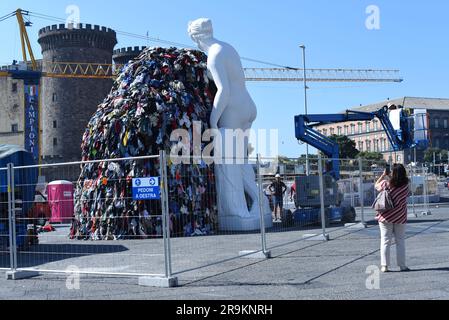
392 222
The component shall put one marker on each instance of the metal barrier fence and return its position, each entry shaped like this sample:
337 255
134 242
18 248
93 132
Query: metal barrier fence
152 219
205 240
74 233
424 189
5 262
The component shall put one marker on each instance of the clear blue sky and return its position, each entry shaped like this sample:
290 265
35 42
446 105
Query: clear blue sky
412 37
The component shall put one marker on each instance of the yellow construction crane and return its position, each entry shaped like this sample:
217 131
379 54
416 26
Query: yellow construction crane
25 40
105 71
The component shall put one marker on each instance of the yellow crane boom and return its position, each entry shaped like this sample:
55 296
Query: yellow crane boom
25 40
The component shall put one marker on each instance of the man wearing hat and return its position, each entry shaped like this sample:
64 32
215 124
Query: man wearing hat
278 189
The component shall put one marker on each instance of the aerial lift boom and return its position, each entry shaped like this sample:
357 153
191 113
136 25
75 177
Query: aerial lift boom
400 138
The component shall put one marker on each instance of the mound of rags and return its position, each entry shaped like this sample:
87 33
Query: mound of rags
160 91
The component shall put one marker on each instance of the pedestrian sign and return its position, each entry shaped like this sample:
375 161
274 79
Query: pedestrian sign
146 189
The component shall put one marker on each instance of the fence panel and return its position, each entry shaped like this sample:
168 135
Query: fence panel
89 219
295 201
5 262
202 241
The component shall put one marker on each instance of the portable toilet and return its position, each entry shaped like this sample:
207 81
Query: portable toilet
60 200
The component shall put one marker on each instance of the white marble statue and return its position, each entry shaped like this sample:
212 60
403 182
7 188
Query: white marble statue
233 109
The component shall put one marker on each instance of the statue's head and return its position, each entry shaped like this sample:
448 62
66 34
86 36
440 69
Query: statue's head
200 30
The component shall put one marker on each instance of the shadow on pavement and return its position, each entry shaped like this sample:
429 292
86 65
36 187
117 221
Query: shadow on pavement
424 221
429 269
46 253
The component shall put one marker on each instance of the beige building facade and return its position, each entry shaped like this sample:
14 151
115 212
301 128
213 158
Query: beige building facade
369 136
12 123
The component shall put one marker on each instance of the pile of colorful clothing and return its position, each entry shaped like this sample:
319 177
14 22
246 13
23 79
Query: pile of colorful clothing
158 92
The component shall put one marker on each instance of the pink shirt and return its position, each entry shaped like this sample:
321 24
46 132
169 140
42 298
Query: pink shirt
398 214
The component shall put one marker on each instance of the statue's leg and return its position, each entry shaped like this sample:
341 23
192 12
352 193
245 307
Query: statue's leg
230 191
249 182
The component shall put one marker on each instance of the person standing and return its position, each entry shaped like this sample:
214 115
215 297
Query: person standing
278 189
393 222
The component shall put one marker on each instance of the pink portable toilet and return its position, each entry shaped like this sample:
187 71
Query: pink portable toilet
60 200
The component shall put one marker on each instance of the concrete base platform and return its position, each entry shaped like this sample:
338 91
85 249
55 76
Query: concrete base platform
412 216
251 254
18 275
237 223
426 213
359 225
158 282
316 237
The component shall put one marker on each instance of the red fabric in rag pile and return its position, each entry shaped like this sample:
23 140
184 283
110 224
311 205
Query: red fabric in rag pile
48 228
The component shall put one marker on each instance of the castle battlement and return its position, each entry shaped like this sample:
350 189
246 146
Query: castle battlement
129 50
73 27
56 37
124 55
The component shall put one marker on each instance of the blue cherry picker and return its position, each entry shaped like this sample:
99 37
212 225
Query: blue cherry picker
397 123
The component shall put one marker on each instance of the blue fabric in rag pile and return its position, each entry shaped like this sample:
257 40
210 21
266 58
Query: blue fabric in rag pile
162 90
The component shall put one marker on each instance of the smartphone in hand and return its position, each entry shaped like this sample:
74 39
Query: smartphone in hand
388 170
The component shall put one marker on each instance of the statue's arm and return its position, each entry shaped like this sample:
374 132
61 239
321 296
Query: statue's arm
217 67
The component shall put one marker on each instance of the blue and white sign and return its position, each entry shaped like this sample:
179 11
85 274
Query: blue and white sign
146 189
32 120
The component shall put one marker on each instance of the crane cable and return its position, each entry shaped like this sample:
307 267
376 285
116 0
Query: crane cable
157 40
6 17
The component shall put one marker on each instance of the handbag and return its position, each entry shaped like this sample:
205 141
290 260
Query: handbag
384 201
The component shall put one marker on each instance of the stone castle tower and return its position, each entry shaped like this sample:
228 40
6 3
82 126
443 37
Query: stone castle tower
69 103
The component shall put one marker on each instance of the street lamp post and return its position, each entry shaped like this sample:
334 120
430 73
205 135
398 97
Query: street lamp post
303 47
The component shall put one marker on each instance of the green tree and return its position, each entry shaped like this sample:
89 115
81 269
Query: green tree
428 154
371 156
346 146
372 160
285 160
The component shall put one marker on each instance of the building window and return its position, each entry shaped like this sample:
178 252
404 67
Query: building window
437 123
332 131
398 159
437 142
54 98
325 132
368 145
352 128
360 128
361 146
55 142
445 123
376 145
339 131
376 126
15 128
14 87
368 126
55 124
346 130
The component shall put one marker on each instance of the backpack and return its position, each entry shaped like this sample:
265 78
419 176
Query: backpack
384 201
